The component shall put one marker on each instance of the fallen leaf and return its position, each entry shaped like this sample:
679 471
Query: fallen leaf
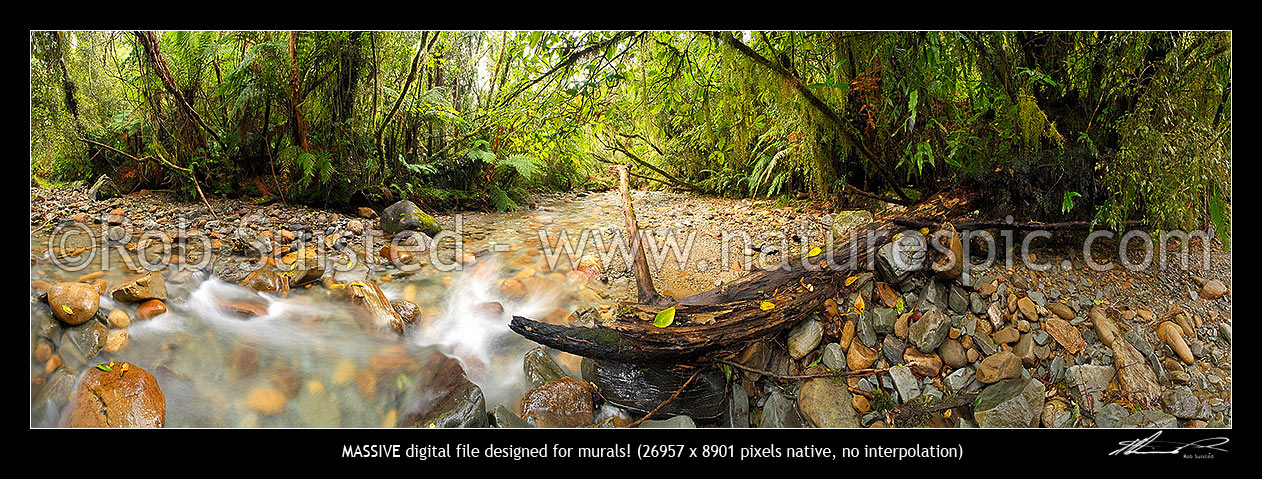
851 280
858 304
665 317
766 305
815 251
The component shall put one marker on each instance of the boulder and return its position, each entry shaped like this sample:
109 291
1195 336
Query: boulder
116 395
1016 402
405 216
1213 289
804 337
929 331
559 403
952 262
824 402
999 366
73 303
1066 334
1105 328
540 368
441 396
140 287
1087 384
1134 374
379 313
899 258
103 189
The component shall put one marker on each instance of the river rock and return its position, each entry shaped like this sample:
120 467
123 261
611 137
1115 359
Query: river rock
1105 329
675 422
379 313
1016 402
560 403
952 354
905 383
1028 308
1007 335
929 331
124 396
119 319
52 397
540 368
140 287
1056 413
103 189
366 212
924 364
407 310
1066 334
1182 403
1024 349
1061 310
1149 418
952 262
860 357
640 388
441 396
404 216
81 343
883 319
898 259
833 357
115 340
804 337
1133 373
957 299
1172 335
825 402
501 417
1087 383
150 308
778 412
1213 289
73 303
999 366
995 314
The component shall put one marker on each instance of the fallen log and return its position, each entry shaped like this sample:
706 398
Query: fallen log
763 304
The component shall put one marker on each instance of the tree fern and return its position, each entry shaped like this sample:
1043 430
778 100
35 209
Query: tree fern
500 199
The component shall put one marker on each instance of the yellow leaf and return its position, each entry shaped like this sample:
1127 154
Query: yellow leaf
67 309
851 280
815 251
858 304
924 231
766 305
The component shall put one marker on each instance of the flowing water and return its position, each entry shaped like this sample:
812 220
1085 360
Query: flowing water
211 364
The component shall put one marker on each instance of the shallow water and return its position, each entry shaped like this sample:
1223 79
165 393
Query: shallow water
308 345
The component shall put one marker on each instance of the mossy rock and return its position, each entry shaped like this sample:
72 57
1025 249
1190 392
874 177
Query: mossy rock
404 216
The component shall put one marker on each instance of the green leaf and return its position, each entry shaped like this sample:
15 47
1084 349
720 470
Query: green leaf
898 304
727 371
665 317
104 367
66 308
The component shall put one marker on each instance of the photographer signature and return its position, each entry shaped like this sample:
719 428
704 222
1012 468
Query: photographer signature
1151 445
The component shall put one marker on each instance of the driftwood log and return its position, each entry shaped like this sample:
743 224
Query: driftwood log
716 319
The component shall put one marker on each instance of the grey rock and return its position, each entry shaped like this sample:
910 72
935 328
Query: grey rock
976 303
1014 402
81 343
985 344
834 358
1111 415
1038 298
959 378
824 402
898 259
933 296
892 348
540 368
503 418
865 332
929 331
958 299
804 337
778 412
1042 337
675 422
1087 384
1225 330
52 397
738 407
1183 404
883 319
905 383
1057 368
1150 418
103 189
